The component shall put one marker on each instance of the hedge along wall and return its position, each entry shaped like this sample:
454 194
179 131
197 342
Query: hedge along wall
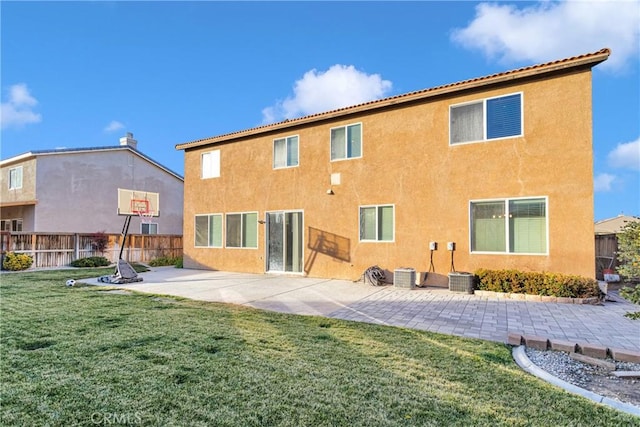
536 283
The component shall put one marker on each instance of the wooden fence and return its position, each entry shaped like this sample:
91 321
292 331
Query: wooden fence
606 253
59 249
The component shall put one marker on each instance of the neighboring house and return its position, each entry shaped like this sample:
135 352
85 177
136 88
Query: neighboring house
76 190
613 226
607 231
499 165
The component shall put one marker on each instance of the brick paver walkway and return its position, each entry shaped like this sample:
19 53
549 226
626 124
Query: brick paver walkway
493 319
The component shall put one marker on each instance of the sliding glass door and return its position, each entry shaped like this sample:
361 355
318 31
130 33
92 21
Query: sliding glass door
284 242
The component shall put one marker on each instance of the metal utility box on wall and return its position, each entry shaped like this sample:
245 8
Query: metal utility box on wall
461 282
404 278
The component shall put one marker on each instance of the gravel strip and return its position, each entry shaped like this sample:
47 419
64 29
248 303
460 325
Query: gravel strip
589 377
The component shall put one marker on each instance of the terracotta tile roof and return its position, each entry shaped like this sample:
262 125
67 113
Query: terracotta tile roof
588 59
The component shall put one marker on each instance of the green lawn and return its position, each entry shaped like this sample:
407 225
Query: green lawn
83 356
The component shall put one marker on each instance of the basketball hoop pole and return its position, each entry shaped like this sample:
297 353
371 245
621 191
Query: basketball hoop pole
130 203
125 233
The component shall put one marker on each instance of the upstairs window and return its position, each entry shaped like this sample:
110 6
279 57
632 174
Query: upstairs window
211 164
509 226
285 152
242 230
484 120
346 142
15 178
376 223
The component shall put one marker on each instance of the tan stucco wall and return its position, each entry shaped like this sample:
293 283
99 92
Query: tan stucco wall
28 190
19 203
407 162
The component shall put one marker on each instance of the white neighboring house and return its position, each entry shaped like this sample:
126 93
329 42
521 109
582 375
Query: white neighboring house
76 190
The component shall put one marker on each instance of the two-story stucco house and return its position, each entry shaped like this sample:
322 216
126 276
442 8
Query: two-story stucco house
499 166
76 190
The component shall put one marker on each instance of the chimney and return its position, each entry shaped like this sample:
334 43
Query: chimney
128 140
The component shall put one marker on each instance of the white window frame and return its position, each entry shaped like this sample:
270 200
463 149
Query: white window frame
287 140
148 224
507 229
10 223
393 223
484 119
242 219
15 183
346 133
222 230
210 164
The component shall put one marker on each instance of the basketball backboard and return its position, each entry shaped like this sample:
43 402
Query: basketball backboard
138 202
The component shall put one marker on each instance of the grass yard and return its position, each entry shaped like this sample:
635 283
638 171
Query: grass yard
84 356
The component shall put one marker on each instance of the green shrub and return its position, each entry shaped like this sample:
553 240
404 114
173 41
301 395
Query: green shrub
633 295
16 262
92 261
166 261
536 283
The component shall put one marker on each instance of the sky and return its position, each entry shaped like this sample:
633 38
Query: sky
82 74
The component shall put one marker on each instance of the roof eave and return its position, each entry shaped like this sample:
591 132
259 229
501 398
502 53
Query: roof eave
34 154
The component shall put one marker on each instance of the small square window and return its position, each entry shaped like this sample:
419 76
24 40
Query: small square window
346 142
148 228
15 178
208 231
285 152
211 164
377 223
242 230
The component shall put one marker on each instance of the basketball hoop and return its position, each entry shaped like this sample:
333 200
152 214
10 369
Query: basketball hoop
146 217
141 207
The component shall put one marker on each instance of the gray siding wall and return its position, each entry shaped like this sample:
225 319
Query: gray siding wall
77 192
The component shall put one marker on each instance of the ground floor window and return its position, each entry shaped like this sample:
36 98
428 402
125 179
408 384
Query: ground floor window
509 225
208 231
149 228
377 223
242 230
11 225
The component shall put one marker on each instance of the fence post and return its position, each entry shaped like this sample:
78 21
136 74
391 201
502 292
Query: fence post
76 246
34 252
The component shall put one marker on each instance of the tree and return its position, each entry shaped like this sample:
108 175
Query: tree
99 241
629 251
629 262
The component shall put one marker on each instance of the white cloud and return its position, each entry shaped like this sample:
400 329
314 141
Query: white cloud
603 181
339 86
626 155
17 111
114 126
552 30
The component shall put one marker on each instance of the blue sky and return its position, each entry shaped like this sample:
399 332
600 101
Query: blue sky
81 74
